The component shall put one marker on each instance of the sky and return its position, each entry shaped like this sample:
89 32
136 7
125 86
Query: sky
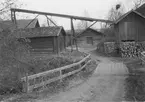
95 8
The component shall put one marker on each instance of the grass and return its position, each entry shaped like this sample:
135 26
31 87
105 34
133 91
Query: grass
10 83
59 86
135 83
41 64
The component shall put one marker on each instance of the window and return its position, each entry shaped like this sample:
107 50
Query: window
89 40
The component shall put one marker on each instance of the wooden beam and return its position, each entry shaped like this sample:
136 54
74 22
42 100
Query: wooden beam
73 31
86 28
61 15
51 20
31 21
47 20
13 17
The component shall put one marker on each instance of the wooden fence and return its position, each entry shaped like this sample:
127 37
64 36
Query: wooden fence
36 81
143 57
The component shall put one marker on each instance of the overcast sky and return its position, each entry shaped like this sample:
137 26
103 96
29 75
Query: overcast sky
95 8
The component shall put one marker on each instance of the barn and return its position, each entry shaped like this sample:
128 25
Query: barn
130 27
43 40
89 37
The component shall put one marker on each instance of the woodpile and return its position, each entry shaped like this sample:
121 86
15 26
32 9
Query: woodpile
126 49
110 47
131 49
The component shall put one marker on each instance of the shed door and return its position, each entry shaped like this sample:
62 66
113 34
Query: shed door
89 40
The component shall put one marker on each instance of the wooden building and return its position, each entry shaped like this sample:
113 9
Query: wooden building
130 27
89 37
43 39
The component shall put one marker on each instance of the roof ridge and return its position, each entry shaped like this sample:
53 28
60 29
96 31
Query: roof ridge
127 13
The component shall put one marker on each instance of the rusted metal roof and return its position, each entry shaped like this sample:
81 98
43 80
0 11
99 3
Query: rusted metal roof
38 32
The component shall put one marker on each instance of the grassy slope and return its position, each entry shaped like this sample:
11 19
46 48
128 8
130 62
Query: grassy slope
135 83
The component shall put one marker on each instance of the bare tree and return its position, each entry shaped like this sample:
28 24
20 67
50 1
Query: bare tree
115 13
5 6
138 3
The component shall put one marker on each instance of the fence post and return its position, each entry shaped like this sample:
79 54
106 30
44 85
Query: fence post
61 76
27 84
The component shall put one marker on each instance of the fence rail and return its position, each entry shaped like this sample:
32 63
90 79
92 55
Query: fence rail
42 79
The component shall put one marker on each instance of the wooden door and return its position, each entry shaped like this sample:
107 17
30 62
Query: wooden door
89 40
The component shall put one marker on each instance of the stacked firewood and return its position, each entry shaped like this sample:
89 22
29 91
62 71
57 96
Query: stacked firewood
109 47
131 49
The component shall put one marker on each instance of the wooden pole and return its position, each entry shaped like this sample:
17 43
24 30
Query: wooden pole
47 20
61 15
73 32
51 21
27 83
13 18
31 21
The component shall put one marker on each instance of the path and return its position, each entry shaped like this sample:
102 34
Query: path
106 84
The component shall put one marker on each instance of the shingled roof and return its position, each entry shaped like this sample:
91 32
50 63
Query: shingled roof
4 25
38 32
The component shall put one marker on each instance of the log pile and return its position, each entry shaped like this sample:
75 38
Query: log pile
109 47
131 49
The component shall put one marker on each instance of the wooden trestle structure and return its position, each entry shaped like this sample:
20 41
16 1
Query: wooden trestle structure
71 17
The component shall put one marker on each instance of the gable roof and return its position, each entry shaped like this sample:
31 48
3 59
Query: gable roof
4 25
126 14
77 31
141 9
38 32
96 32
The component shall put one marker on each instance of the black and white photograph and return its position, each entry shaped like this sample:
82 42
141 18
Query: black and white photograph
72 50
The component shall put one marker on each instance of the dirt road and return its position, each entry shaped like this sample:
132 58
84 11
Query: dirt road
106 84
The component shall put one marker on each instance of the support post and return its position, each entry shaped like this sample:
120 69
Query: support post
47 20
31 21
73 32
27 83
13 18
51 20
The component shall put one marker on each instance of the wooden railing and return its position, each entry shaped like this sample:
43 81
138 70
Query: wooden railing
143 57
35 81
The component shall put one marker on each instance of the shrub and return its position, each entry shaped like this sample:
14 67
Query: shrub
12 53
40 64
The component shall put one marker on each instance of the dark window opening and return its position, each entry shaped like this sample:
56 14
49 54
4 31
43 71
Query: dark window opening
89 40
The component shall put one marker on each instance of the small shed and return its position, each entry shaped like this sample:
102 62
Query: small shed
89 37
130 27
43 39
